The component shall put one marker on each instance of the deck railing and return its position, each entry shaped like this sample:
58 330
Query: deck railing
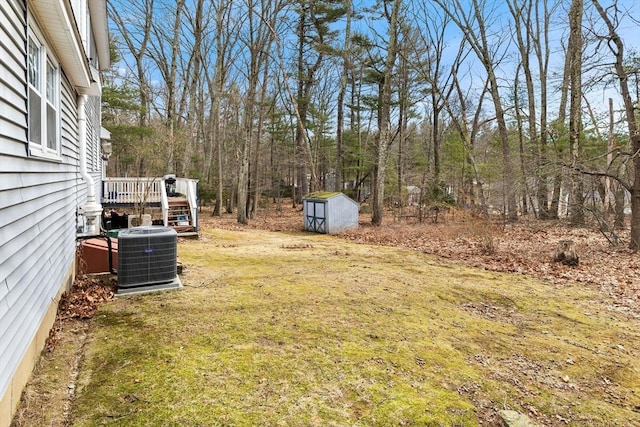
189 187
132 190
165 205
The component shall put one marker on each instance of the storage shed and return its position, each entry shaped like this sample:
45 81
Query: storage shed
329 212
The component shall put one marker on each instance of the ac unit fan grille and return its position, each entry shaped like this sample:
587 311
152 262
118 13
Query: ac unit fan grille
146 256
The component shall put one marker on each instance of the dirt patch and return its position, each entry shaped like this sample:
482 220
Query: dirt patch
48 398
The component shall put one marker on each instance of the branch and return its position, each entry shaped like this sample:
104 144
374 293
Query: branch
582 171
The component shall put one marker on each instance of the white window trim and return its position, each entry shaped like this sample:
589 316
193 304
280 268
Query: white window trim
41 149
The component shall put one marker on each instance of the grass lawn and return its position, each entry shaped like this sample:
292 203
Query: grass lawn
297 329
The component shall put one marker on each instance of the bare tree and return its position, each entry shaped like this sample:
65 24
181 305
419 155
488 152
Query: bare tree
434 71
468 124
346 70
437 74
164 49
218 47
270 12
531 33
616 45
254 43
194 78
475 24
574 57
135 32
257 40
524 161
384 137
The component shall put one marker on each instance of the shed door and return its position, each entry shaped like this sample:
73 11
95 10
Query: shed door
316 219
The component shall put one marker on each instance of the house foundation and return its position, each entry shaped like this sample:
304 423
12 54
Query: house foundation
11 399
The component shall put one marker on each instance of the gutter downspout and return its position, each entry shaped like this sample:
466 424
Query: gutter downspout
91 210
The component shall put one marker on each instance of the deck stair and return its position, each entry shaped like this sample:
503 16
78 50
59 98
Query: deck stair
179 217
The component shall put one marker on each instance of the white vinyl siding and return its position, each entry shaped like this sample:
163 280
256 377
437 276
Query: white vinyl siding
94 160
13 97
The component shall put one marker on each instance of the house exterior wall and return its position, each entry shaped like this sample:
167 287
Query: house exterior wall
38 202
94 156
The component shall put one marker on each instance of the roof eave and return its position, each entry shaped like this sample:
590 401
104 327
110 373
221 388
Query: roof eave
57 21
99 24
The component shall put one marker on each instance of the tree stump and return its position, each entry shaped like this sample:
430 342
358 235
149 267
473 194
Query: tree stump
566 253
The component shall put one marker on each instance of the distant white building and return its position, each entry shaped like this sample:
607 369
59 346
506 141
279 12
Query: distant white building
413 195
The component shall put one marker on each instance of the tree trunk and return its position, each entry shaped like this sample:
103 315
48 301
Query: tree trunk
575 108
542 53
346 67
618 219
521 137
383 139
243 176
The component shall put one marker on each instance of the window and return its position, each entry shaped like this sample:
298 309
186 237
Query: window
44 105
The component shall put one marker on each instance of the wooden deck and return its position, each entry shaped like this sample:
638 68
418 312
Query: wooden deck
124 199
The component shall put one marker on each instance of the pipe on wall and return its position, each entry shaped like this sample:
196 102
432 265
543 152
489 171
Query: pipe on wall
91 209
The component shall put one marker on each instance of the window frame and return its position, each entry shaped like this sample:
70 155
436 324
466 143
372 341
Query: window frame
48 90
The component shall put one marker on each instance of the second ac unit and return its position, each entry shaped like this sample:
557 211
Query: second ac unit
143 220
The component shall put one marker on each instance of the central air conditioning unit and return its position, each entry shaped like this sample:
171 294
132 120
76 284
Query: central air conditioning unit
147 259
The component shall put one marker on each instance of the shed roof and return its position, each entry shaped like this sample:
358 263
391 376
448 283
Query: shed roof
322 195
